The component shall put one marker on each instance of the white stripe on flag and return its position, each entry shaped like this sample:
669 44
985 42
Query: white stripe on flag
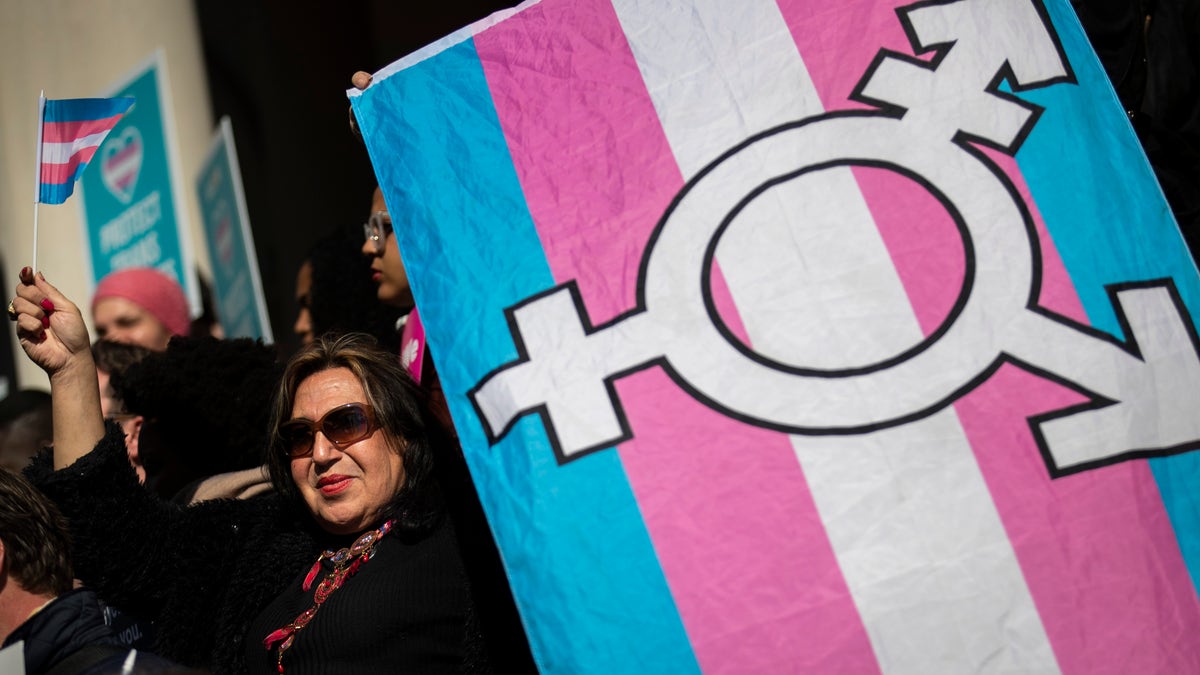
60 153
907 511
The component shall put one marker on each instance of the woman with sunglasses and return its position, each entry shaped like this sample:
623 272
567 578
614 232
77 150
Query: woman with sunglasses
350 566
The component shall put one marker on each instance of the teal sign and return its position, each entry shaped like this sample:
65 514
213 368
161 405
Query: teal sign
132 214
237 287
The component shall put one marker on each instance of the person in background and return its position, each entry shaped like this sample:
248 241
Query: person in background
188 435
61 628
337 295
208 324
141 306
379 246
303 326
26 426
113 359
204 404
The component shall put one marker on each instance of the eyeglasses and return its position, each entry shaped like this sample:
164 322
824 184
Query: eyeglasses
343 426
377 228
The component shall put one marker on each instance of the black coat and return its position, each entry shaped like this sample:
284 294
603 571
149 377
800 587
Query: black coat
61 628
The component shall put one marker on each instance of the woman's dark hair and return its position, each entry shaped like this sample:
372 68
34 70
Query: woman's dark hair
115 358
206 406
37 548
401 409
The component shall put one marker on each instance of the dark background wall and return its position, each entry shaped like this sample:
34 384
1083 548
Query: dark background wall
279 69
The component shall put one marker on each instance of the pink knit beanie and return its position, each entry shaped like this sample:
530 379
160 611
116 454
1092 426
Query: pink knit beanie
151 290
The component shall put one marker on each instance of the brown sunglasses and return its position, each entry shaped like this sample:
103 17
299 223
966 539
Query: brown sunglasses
343 425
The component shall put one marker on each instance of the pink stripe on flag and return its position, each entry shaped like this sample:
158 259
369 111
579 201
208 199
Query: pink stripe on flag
68 132
754 593
838 42
65 172
1096 549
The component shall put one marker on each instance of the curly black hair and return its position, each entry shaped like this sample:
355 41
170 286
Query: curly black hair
207 407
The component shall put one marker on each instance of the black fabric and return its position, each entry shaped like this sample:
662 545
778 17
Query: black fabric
505 639
1115 29
379 617
506 642
111 660
1169 120
90 659
130 631
1151 54
202 573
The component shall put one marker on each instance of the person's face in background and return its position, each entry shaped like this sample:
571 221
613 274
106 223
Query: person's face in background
387 270
20 441
303 327
122 320
113 408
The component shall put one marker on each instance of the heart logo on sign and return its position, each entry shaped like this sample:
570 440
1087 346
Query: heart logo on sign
121 163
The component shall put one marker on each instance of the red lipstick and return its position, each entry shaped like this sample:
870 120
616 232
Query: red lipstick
333 484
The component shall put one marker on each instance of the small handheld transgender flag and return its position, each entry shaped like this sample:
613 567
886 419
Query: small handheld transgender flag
69 133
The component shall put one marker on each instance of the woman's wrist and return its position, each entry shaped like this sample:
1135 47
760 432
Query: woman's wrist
80 369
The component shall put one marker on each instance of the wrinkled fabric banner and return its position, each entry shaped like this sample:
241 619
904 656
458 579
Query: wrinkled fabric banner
787 336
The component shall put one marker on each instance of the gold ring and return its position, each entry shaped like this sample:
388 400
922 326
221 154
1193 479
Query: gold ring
12 312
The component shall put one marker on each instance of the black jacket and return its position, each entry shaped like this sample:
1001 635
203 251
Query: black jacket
61 628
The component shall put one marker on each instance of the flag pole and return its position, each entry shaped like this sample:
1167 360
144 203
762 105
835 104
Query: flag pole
37 184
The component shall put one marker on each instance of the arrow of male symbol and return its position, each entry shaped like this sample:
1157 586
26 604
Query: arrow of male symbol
932 111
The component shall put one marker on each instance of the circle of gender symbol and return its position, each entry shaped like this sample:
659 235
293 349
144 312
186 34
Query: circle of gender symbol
1000 268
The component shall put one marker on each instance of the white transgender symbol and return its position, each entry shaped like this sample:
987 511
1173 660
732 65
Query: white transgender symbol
1143 392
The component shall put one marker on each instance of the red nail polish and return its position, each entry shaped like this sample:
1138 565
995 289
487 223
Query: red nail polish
26 272
45 322
47 305
42 335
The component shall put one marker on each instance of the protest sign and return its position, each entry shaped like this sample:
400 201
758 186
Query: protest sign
132 209
237 286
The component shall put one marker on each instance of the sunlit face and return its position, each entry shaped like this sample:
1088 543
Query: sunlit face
304 326
387 270
122 320
346 489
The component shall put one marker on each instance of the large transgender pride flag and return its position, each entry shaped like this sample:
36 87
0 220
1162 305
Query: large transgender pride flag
916 389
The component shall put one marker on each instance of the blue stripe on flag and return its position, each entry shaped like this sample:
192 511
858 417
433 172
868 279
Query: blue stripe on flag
1109 234
581 562
83 109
